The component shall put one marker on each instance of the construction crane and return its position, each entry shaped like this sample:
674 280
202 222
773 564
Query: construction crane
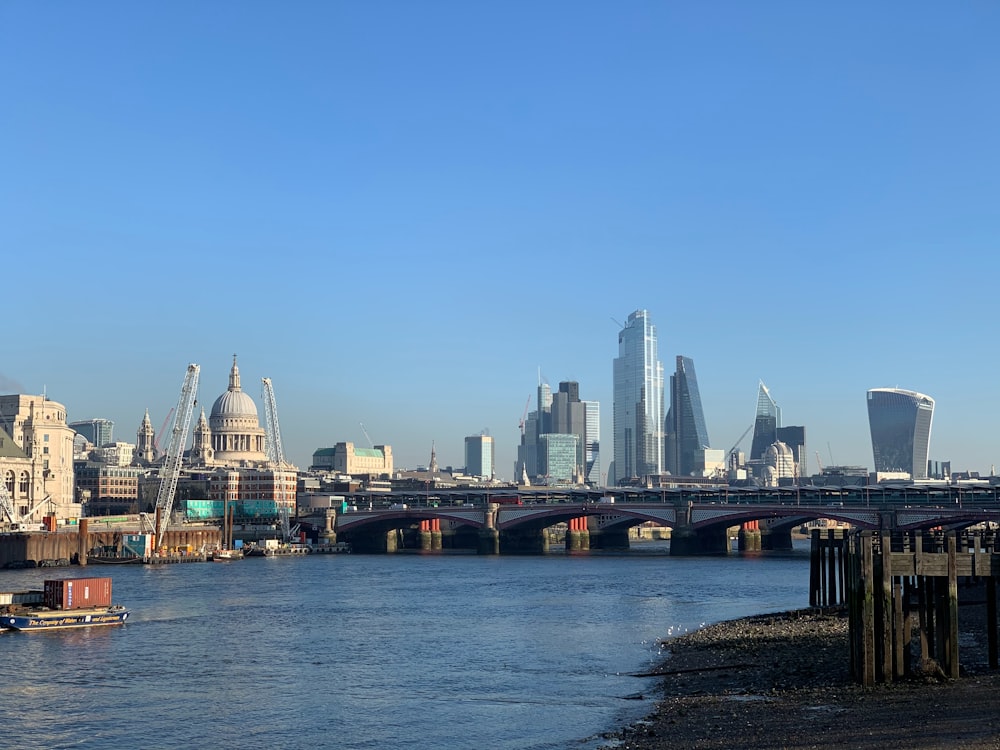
6 501
737 443
524 415
820 463
275 452
159 435
367 436
171 470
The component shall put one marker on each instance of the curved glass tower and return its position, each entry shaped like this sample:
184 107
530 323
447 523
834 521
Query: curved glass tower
766 422
686 432
638 406
900 423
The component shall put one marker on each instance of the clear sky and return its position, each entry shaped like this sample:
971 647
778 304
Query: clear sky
402 212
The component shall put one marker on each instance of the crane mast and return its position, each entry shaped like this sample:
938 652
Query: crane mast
6 502
175 452
275 453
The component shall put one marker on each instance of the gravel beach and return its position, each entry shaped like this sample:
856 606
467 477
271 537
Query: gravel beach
783 681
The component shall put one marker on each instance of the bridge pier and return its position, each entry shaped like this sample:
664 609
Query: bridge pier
776 539
489 542
609 539
529 541
430 535
749 537
577 535
686 541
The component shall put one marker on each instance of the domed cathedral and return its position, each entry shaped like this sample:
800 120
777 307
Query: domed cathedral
237 439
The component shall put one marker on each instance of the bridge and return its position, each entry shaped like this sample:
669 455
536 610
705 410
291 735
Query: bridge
517 521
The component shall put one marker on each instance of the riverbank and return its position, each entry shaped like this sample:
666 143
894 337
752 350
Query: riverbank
783 681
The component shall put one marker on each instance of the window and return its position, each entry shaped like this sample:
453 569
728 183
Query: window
23 485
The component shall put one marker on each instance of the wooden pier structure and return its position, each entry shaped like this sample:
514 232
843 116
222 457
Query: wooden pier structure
901 591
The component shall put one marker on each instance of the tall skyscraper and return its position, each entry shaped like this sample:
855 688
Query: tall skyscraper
900 423
592 449
766 424
685 427
638 406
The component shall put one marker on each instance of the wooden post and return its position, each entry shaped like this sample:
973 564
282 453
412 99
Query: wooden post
815 574
867 611
991 620
952 626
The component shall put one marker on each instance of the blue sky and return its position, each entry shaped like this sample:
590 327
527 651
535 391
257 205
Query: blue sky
401 212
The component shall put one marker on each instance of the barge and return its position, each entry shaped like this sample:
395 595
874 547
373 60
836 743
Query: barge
61 604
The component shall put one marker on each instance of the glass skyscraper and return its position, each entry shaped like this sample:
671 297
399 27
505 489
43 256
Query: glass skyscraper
98 432
638 406
766 423
686 432
592 448
900 423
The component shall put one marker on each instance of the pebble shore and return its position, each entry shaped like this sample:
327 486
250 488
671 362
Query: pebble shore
783 681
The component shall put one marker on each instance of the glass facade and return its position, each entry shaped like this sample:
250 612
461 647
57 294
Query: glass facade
638 405
98 432
900 423
561 458
686 429
592 449
479 456
766 423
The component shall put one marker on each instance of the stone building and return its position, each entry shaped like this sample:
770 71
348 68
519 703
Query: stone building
39 473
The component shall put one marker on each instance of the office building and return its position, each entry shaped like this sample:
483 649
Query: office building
685 430
98 432
766 423
795 438
479 456
900 423
592 444
638 405
561 452
569 417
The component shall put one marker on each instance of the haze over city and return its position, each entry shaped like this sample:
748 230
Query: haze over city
405 214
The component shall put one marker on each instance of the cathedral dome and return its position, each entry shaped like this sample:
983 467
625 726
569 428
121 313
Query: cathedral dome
234 403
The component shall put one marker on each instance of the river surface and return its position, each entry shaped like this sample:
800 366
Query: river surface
374 651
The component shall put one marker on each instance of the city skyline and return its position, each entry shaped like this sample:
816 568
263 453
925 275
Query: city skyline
399 220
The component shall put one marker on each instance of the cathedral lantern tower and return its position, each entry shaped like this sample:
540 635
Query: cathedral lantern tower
237 439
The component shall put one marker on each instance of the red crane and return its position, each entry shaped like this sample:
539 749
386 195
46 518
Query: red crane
156 437
524 415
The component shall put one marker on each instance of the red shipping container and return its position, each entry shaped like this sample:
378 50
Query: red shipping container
78 593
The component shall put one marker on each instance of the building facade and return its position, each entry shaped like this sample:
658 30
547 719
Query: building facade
106 489
344 458
561 454
638 401
766 423
900 423
592 444
43 485
480 457
686 432
98 432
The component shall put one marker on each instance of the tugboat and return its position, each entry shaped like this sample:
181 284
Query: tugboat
65 603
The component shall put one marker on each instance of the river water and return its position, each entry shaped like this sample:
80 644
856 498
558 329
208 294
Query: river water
380 651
